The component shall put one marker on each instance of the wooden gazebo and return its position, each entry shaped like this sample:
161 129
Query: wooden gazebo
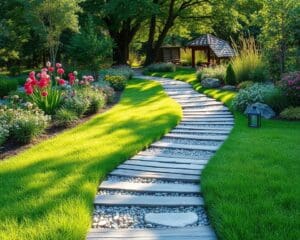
169 53
215 48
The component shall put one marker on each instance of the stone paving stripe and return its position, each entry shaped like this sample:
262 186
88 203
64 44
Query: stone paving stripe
164 165
184 146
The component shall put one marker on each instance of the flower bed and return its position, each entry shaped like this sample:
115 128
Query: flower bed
51 101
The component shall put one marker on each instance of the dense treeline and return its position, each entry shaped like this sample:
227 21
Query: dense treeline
32 32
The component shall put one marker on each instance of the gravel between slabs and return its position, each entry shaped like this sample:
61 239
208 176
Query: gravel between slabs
190 141
133 217
112 178
161 194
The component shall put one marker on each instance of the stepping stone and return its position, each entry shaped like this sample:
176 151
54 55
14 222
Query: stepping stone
197 137
172 219
151 187
163 165
189 233
156 175
217 132
206 119
159 169
142 157
204 123
205 109
184 146
207 114
171 155
203 128
193 105
147 201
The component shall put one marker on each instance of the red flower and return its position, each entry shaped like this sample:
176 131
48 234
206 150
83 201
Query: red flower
43 83
60 71
28 89
51 69
44 93
71 78
61 82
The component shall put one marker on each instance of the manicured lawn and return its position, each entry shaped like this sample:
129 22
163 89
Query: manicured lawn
252 185
46 192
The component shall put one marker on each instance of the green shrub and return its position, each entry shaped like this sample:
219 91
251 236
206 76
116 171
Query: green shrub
245 84
291 113
119 71
4 132
109 93
24 125
95 97
248 63
230 78
65 117
118 82
264 93
290 83
14 71
218 72
77 104
7 85
161 67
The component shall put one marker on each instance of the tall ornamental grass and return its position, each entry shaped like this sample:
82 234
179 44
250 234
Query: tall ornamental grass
248 64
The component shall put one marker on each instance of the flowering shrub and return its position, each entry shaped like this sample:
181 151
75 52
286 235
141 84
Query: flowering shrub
46 88
218 72
65 117
264 93
109 93
291 113
23 125
291 84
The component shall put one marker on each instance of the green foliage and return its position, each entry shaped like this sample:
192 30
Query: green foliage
90 50
161 67
263 93
64 117
118 82
218 72
109 93
290 83
7 85
77 104
248 64
95 98
4 132
230 78
279 21
23 125
245 84
14 71
124 71
291 113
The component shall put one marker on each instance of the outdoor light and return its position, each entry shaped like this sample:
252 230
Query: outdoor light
254 118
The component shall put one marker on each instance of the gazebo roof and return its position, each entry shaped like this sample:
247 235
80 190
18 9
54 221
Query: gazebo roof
220 47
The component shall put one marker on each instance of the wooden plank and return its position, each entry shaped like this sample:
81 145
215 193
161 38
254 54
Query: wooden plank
156 175
164 165
197 137
187 233
151 187
184 146
169 159
150 201
159 169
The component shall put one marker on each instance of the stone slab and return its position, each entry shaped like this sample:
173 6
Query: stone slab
197 137
164 165
205 123
142 157
151 187
156 175
184 146
203 128
172 219
146 200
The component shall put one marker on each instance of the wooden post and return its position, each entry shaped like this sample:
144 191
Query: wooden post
208 56
193 58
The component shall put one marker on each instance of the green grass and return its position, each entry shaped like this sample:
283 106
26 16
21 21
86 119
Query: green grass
47 191
252 186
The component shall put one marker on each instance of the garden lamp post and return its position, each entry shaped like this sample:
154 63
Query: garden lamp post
254 118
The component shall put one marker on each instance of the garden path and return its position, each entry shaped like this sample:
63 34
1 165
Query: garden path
155 194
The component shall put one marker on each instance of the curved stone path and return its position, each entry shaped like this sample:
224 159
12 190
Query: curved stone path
156 194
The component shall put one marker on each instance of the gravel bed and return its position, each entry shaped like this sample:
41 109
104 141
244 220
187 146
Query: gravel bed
190 141
142 180
133 217
184 153
160 194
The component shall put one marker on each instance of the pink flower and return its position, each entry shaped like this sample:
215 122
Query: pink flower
61 82
32 74
58 65
60 71
44 93
44 69
51 69
71 78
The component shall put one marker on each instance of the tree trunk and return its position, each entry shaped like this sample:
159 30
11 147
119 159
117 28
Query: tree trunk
121 52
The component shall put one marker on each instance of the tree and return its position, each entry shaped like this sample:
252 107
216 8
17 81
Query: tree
50 18
162 21
89 49
122 19
279 21
230 78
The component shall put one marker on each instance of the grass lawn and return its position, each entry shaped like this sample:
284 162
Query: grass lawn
252 185
47 192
